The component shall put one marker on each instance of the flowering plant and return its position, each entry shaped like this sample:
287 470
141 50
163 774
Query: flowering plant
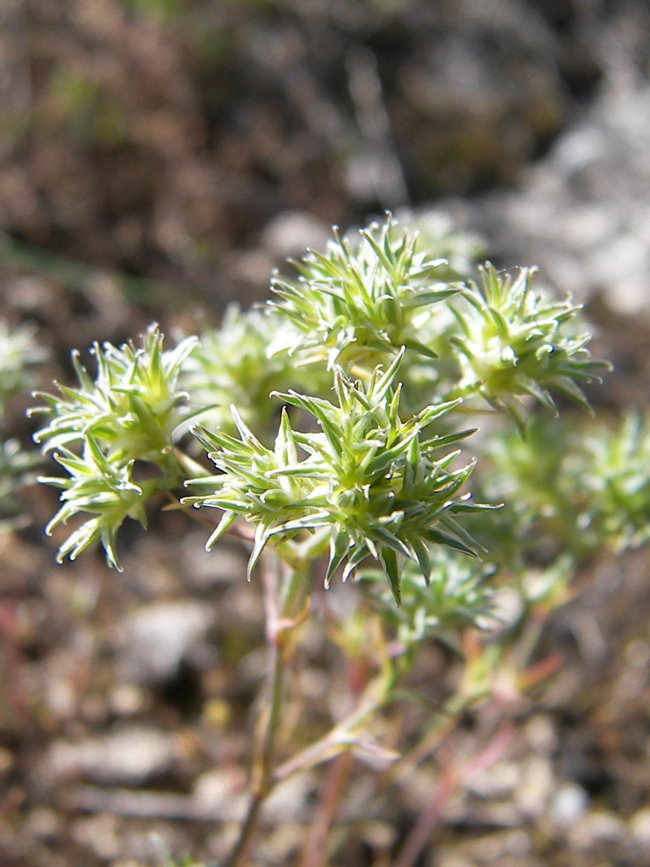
336 419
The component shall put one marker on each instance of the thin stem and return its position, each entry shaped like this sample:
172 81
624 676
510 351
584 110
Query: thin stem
342 735
248 829
452 778
279 625
264 760
315 850
268 740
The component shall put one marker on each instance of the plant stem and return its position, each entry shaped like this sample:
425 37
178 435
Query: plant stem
342 735
281 620
248 829
315 849
452 777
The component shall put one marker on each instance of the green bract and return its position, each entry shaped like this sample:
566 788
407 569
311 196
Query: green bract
440 237
230 365
96 486
363 298
514 340
131 408
127 414
368 479
457 596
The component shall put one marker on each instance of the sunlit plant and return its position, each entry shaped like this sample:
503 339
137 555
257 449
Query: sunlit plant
127 415
337 421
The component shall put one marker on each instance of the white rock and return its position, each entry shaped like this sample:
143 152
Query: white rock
568 805
159 636
124 757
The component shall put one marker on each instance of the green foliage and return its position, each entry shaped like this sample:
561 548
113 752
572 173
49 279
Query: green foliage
514 340
168 10
231 365
129 413
17 469
569 489
367 477
361 300
529 474
609 473
402 335
438 234
104 489
19 353
457 595
132 407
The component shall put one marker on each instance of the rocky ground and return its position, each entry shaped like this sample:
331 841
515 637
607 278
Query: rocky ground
157 159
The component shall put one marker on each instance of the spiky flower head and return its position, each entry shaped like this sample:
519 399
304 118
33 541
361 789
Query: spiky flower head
514 340
100 430
610 475
368 482
361 300
95 486
231 365
18 352
131 408
438 234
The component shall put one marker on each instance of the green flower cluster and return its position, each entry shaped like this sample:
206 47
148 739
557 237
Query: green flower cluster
388 287
231 365
611 473
568 488
131 407
102 488
361 299
128 413
529 474
367 478
18 352
438 234
513 340
17 469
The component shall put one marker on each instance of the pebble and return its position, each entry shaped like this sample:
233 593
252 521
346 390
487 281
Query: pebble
128 756
596 827
536 785
568 804
640 826
159 636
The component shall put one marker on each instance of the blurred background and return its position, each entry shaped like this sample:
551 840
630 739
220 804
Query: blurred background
157 159
197 142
